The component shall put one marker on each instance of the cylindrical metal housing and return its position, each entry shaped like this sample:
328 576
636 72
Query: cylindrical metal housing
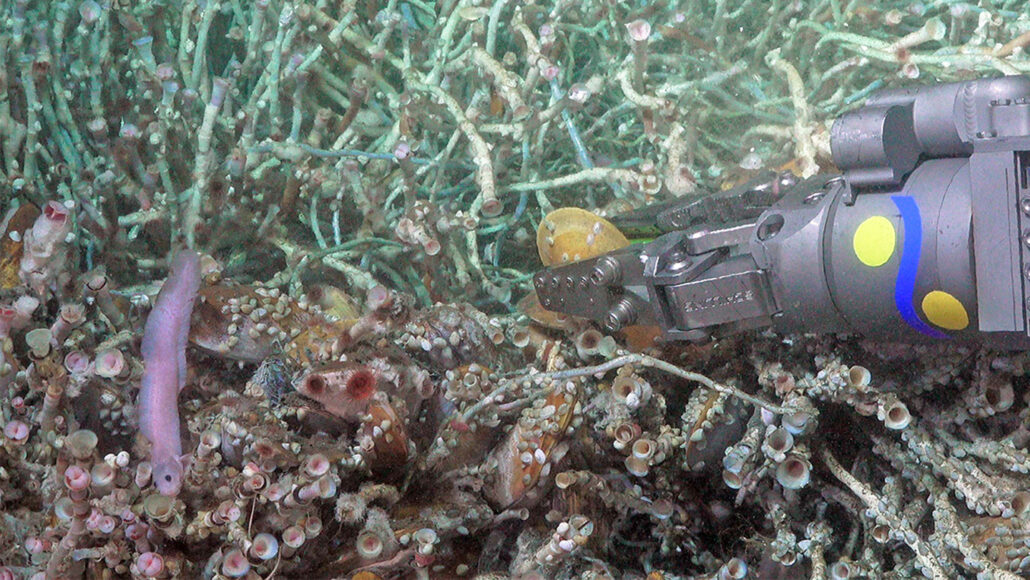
894 265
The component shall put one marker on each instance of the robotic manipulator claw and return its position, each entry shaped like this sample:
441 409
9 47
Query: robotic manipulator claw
884 249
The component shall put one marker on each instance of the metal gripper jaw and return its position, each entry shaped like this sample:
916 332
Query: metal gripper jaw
600 289
693 280
688 283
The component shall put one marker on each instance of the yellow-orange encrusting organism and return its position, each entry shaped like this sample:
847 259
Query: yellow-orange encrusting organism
570 234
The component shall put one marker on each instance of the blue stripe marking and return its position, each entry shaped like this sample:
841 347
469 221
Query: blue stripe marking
905 284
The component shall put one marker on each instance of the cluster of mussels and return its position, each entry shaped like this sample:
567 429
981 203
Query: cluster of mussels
395 422
381 441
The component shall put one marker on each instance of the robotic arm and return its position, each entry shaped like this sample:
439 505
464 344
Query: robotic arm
925 235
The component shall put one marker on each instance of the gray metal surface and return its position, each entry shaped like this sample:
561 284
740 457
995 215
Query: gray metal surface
946 166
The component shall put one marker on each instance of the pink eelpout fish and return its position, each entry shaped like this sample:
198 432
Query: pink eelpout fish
164 375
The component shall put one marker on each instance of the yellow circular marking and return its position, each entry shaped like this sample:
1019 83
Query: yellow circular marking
944 310
874 241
